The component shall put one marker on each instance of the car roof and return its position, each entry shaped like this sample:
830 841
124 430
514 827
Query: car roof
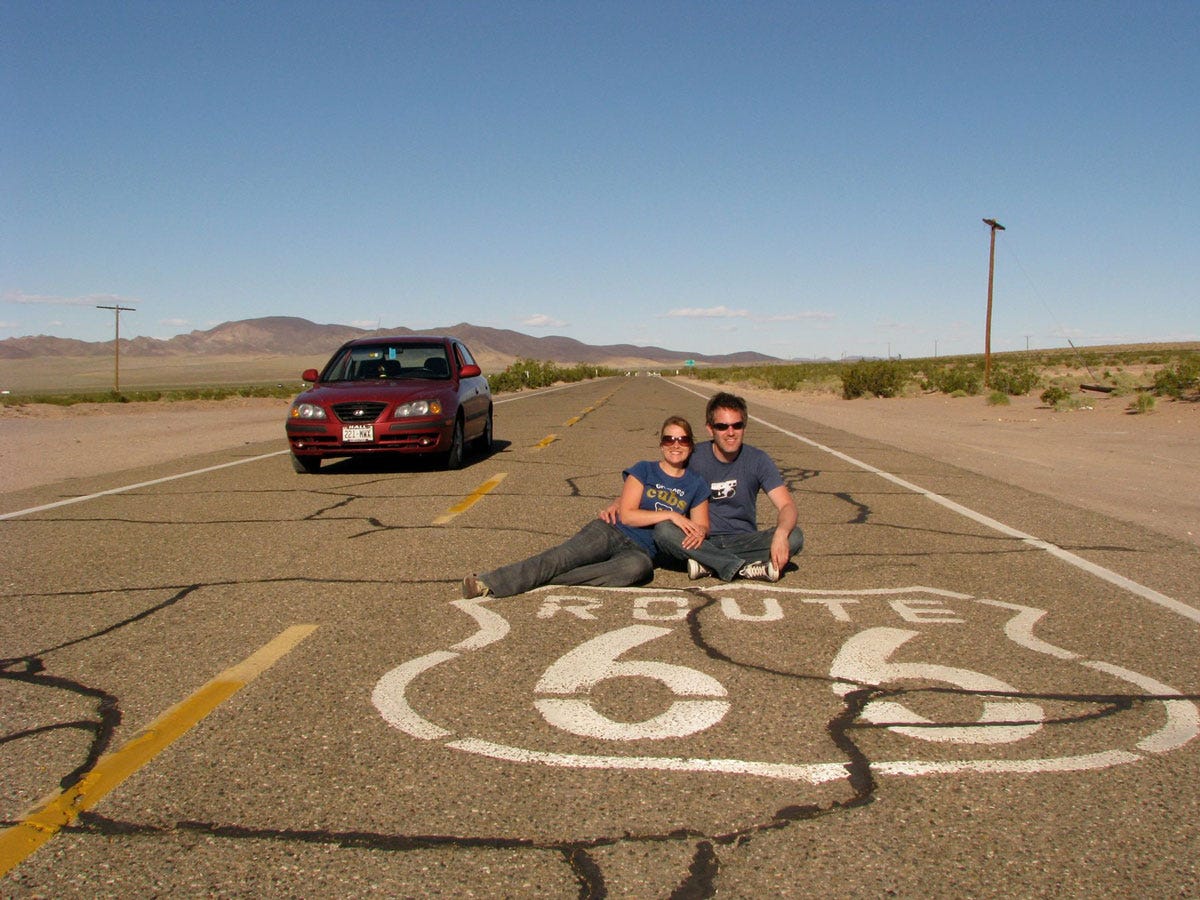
400 339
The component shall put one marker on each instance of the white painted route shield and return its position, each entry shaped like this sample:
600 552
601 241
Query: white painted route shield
761 681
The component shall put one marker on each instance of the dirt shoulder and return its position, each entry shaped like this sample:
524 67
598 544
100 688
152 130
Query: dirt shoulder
1143 468
1137 468
42 444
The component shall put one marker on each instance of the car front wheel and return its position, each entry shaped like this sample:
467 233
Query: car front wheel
484 441
454 456
306 465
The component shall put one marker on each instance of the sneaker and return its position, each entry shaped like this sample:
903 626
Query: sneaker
698 570
472 587
759 571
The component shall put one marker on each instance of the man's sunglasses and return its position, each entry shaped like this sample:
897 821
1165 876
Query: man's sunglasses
725 426
678 439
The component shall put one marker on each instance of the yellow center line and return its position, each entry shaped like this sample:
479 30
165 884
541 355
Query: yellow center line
546 441
64 807
471 499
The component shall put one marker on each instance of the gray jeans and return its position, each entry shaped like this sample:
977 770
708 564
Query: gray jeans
598 555
725 554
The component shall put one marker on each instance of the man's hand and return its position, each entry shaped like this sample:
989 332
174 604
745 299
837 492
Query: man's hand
693 533
780 551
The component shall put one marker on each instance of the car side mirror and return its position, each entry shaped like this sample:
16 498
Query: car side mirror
309 375
471 371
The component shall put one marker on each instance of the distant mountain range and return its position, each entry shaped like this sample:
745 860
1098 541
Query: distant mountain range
291 336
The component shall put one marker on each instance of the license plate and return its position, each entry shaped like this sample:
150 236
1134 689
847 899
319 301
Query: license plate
357 434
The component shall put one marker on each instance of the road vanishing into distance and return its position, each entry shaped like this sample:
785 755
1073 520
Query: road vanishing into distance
223 678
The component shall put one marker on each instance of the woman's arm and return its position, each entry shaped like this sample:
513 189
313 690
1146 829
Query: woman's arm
694 525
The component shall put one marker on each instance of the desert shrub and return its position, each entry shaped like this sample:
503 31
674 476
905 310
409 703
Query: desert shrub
151 396
788 377
1142 403
1054 395
530 373
1016 381
875 377
1123 384
782 378
998 398
953 379
1069 404
1178 380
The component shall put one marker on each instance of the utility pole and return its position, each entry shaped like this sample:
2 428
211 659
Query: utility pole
117 310
987 334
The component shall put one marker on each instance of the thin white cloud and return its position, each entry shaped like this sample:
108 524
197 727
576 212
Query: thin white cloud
724 312
50 300
541 320
8 326
174 323
712 312
807 316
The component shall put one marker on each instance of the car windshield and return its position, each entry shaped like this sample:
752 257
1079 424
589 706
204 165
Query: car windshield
371 362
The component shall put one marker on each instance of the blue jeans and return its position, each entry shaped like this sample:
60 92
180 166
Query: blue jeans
725 554
598 555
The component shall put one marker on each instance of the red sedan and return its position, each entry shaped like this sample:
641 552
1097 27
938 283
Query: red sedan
405 394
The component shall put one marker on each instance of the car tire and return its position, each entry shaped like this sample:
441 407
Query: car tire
306 465
454 456
484 442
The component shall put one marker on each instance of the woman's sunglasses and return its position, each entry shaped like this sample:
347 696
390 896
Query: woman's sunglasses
680 440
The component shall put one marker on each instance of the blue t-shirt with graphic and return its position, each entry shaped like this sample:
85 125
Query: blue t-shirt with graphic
662 491
734 487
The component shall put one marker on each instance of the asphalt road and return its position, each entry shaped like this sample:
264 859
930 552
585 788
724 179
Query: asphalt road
247 682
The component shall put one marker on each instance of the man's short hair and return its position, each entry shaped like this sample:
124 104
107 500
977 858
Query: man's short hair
724 400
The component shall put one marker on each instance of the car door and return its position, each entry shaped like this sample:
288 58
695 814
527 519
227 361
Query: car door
473 393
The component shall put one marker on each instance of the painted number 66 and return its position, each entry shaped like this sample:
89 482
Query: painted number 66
864 660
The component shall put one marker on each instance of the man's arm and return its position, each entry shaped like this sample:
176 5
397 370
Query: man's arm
787 518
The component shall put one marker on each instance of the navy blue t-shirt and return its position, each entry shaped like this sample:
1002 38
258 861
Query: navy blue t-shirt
734 487
662 491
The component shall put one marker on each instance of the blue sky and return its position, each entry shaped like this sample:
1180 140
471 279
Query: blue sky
801 179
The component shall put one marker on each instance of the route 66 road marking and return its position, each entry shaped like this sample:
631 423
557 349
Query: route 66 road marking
890 652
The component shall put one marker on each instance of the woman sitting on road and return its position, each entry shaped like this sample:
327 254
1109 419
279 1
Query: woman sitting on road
622 553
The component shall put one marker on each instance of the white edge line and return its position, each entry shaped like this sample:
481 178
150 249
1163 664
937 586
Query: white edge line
134 487
1127 584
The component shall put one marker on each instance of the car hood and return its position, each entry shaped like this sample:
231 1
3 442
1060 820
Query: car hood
391 392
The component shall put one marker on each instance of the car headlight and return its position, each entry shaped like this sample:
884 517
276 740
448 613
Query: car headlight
418 408
307 411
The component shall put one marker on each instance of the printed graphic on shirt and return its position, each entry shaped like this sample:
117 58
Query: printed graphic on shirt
724 490
666 499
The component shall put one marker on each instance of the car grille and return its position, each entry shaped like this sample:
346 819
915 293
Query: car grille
358 412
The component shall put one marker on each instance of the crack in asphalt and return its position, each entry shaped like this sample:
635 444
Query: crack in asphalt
703 873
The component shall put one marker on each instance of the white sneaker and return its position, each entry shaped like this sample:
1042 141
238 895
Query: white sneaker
760 571
697 570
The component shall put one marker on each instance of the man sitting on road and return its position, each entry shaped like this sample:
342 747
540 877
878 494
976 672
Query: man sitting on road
736 472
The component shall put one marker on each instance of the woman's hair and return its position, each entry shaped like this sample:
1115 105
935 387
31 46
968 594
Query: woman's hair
682 423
